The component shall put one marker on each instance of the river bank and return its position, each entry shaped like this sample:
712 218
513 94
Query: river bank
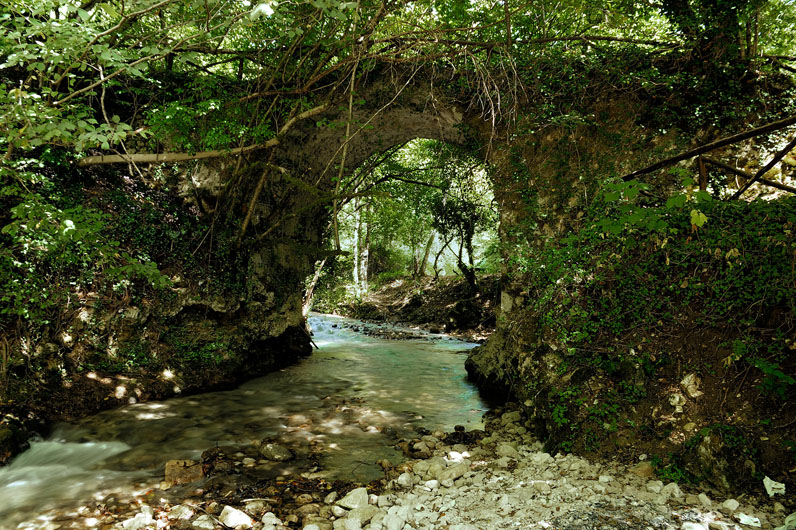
436 305
494 478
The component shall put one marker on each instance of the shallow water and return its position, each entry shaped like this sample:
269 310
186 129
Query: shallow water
340 400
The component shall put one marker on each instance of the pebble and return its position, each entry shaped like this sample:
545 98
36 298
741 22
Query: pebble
483 486
276 452
672 490
693 526
204 522
234 518
730 505
180 512
508 451
304 498
270 519
357 498
704 500
405 480
330 498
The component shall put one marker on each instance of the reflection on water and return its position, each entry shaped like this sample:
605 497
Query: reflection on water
339 399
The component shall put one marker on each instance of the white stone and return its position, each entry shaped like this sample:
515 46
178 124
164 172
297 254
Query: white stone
606 478
405 480
357 498
508 451
234 518
747 520
432 484
693 526
204 522
790 523
181 511
347 524
690 385
393 521
731 505
270 518
704 500
364 514
339 511
255 507
773 487
141 520
654 486
673 490
453 472
330 498
384 501
542 487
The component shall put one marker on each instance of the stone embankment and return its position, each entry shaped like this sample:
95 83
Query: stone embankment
478 480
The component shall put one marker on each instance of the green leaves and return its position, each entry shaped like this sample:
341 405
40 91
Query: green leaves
698 219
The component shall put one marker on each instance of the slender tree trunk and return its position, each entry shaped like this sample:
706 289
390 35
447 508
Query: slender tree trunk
305 306
436 258
469 246
467 272
745 44
357 236
756 36
364 257
424 261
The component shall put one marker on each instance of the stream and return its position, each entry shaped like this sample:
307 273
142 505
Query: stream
349 401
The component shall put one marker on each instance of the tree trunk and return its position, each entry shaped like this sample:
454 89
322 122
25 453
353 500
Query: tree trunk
357 236
469 246
467 272
436 258
424 261
364 255
756 36
305 306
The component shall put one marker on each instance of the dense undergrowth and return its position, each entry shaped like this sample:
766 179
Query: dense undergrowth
97 241
644 294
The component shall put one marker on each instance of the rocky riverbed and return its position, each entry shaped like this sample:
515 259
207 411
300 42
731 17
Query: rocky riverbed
490 479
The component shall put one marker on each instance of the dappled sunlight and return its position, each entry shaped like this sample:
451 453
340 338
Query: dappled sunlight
348 402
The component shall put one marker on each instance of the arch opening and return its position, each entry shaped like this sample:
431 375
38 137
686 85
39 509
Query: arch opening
421 209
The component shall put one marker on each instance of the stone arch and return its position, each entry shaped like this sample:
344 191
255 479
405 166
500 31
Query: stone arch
389 112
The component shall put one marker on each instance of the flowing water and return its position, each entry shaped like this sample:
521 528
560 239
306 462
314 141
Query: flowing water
345 399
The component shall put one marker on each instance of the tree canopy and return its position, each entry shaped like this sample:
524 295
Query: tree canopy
222 74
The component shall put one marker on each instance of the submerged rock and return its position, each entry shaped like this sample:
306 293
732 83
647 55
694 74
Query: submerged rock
182 471
275 452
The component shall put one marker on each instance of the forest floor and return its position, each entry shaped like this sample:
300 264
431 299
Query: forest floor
446 304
